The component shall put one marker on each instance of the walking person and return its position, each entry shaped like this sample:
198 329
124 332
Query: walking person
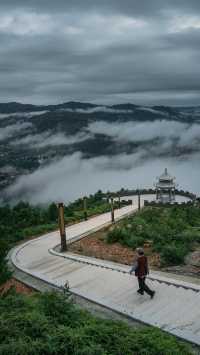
141 270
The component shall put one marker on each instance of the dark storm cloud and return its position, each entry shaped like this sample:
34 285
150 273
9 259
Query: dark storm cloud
105 51
135 7
186 40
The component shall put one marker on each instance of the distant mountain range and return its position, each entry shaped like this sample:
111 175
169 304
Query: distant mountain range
138 112
32 136
13 107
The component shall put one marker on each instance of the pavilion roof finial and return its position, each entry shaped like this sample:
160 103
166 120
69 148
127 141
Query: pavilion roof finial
165 179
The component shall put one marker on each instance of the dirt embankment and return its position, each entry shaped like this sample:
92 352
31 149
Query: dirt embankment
18 286
96 246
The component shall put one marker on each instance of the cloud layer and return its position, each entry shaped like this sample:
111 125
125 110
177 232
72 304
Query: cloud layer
50 139
169 133
9 131
73 177
100 51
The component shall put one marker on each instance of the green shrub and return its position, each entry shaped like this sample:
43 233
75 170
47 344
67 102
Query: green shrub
37 230
173 254
134 241
45 324
115 235
4 271
170 229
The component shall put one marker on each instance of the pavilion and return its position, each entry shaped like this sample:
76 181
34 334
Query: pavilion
165 188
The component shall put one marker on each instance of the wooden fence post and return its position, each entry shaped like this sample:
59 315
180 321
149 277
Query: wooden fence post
112 210
119 201
85 208
61 220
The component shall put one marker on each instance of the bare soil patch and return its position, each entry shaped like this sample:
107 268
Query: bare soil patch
18 286
95 245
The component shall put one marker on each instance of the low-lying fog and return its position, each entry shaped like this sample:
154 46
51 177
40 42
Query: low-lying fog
73 177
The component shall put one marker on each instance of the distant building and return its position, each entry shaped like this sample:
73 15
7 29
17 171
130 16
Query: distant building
165 188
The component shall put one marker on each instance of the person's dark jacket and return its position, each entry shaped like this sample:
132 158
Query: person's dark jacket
141 266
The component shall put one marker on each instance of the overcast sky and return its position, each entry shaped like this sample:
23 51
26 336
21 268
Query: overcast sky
108 51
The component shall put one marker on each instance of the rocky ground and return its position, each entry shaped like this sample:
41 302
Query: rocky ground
191 266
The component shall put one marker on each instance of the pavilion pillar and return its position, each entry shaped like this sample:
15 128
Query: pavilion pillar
170 195
156 194
61 220
139 200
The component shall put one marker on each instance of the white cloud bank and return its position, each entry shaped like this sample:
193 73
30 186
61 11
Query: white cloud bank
73 177
138 131
9 131
22 114
48 139
185 134
97 109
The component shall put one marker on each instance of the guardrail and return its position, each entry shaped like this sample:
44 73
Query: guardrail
134 192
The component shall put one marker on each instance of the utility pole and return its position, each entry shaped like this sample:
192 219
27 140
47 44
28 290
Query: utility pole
61 220
139 200
112 210
85 208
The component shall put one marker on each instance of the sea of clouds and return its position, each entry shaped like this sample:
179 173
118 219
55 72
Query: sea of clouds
74 176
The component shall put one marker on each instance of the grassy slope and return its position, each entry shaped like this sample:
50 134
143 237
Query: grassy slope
173 231
49 324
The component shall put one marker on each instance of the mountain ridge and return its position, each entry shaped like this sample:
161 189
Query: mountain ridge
14 106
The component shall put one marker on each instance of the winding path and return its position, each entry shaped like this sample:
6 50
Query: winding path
175 307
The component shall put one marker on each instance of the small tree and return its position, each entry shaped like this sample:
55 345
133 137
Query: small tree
53 212
4 271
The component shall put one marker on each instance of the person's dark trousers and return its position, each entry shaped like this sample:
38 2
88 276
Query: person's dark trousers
143 287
